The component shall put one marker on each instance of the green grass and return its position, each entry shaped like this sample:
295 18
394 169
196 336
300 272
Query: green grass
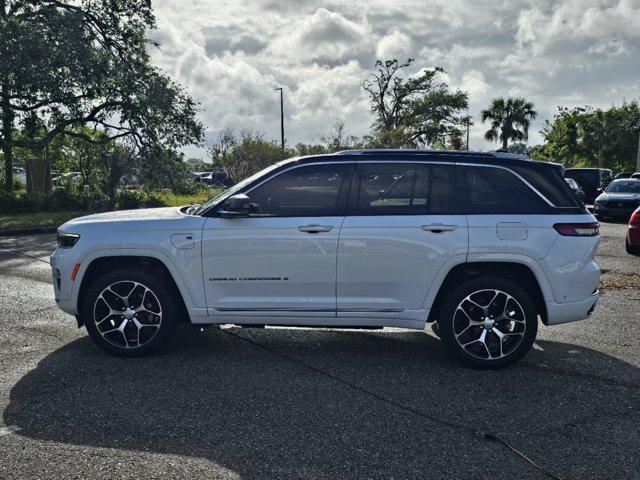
40 219
173 200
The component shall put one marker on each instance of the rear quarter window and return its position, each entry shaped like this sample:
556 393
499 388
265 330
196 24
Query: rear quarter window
548 181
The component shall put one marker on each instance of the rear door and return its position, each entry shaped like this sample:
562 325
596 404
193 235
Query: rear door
402 226
505 216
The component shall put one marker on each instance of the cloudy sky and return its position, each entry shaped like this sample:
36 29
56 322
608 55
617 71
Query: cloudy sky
231 55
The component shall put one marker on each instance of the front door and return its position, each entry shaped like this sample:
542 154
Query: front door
402 226
280 261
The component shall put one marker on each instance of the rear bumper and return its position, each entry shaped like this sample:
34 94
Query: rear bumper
558 313
633 236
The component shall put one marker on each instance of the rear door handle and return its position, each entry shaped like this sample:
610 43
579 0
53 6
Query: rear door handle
438 228
315 228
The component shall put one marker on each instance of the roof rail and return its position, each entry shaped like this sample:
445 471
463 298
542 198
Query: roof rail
411 151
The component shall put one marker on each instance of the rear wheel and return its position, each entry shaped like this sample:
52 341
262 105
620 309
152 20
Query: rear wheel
488 322
631 249
129 312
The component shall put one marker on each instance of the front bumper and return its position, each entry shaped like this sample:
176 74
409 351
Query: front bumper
62 262
558 313
614 211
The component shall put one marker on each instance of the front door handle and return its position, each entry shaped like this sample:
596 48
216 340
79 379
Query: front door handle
438 227
315 228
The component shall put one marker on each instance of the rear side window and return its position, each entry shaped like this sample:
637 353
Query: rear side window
308 191
488 190
549 182
403 189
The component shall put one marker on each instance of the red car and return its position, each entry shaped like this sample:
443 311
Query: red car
633 233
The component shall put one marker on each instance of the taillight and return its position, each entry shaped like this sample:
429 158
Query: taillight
577 229
635 218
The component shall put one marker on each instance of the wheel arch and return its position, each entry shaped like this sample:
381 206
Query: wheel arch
103 264
518 272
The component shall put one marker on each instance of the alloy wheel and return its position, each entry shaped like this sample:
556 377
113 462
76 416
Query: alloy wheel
489 324
127 314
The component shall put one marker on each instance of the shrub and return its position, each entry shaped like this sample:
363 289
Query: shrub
58 200
129 200
62 199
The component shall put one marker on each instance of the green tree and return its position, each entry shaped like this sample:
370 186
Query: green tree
588 137
242 155
510 119
65 64
412 111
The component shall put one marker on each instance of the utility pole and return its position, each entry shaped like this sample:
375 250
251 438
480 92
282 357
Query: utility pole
468 122
638 156
281 119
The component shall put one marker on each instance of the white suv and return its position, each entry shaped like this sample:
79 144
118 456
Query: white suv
484 244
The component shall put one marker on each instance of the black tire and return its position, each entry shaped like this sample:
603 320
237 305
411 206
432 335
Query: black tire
631 249
491 352
435 329
161 303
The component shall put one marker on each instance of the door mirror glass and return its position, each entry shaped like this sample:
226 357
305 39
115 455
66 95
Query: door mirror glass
236 206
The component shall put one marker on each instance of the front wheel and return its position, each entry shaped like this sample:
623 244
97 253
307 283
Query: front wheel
129 312
488 322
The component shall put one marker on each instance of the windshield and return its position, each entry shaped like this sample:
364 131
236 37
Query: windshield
625 186
238 186
588 178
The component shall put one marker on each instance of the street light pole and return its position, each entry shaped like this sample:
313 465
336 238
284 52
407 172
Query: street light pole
468 122
281 118
638 156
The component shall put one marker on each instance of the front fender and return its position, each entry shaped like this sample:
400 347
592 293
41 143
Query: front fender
188 279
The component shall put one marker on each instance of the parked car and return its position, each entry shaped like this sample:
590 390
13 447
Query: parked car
619 200
633 233
591 180
217 179
481 243
70 179
623 175
576 189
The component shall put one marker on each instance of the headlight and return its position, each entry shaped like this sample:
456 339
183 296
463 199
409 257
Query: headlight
67 240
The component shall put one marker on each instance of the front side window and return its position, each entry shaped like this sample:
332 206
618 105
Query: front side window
403 189
311 190
488 190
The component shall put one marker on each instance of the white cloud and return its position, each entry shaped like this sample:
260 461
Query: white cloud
230 55
394 45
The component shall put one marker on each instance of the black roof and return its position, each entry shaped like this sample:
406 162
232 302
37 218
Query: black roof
492 158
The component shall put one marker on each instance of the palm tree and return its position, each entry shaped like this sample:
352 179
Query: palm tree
510 119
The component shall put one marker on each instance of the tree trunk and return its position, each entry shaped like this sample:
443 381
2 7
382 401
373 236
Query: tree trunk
7 139
600 157
505 143
46 181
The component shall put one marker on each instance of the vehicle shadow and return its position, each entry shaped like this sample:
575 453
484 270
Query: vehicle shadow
248 401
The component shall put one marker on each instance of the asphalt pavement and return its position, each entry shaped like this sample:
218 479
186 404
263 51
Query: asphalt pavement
301 403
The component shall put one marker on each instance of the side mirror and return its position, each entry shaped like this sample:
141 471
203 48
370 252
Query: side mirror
236 206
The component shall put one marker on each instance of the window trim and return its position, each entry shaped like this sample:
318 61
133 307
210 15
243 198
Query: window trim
345 195
341 202
515 174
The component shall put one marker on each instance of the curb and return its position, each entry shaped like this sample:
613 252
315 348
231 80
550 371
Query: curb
27 231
